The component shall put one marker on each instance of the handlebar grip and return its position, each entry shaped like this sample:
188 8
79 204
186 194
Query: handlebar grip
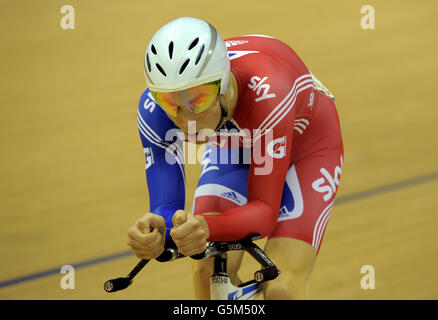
117 284
198 256
266 274
170 254
167 255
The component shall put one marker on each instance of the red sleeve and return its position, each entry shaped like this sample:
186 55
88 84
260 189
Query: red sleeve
275 116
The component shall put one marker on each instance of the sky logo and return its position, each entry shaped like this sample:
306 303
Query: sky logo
257 86
149 104
328 184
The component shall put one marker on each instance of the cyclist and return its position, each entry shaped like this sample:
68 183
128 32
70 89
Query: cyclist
257 89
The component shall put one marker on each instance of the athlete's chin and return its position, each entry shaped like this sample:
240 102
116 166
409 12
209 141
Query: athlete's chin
197 138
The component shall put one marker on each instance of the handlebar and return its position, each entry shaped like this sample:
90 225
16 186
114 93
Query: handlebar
214 249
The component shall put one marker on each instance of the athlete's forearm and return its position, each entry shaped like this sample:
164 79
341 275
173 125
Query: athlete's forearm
255 217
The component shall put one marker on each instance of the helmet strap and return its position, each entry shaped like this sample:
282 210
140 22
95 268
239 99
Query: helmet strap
227 96
224 114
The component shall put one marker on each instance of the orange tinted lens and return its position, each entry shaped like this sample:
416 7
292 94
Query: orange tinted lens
199 98
166 100
196 99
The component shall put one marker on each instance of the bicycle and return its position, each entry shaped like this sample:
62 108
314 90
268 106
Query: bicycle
221 287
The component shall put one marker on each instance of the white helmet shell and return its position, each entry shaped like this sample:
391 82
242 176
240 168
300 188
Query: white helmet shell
184 53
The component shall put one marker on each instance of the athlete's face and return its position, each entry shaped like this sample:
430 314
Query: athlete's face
208 119
199 109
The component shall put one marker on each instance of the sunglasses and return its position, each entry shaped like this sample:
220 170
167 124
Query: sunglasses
196 99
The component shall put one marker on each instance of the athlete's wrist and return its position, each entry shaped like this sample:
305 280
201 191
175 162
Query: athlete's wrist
204 224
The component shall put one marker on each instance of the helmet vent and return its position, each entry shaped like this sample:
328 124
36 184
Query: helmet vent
154 51
171 50
160 69
194 43
148 63
184 66
199 55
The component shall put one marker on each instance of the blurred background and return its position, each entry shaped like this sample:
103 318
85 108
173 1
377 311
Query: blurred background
72 165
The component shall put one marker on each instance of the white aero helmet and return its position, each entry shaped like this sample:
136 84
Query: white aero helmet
185 53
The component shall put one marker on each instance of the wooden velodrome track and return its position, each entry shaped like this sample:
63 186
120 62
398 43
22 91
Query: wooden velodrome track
72 167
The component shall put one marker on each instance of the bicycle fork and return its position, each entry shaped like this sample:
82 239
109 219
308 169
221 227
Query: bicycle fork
221 287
